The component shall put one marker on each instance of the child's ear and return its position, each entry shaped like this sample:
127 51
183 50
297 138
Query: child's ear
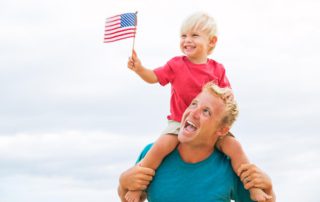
213 41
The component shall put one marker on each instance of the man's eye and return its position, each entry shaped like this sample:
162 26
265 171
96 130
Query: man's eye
207 112
193 104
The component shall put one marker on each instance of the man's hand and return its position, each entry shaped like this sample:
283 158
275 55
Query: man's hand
136 178
252 176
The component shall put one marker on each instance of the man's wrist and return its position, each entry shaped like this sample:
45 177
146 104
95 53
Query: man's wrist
122 180
122 192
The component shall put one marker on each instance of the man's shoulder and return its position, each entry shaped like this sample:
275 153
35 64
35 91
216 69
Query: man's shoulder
144 152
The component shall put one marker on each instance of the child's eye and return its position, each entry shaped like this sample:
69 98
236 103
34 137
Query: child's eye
195 35
183 36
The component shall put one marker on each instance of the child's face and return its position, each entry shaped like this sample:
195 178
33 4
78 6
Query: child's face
195 45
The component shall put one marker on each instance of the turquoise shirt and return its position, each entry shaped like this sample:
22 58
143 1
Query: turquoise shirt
209 180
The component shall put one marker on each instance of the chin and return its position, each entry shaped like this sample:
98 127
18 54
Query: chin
184 138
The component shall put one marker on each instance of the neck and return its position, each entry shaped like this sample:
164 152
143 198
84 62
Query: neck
194 154
202 60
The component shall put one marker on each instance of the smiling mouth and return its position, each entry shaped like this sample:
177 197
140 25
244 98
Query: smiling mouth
190 126
189 47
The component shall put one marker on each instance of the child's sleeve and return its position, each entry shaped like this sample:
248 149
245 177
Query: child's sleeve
223 80
165 74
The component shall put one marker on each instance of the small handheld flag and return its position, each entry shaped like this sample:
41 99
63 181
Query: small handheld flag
120 27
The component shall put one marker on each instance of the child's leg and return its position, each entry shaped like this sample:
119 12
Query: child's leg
160 149
232 148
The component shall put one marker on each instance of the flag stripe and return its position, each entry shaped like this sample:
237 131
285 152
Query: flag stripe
113 20
112 29
109 32
116 16
114 24
120 27
117 39
114 36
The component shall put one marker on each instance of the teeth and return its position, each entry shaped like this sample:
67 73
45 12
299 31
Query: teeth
189 122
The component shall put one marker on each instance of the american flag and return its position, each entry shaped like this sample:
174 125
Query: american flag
120 27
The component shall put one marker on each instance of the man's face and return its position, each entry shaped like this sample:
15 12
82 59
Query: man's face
200 121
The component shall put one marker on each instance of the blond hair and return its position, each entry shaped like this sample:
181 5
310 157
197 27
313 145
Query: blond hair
231 107
202 22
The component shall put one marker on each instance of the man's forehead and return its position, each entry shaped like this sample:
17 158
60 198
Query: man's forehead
210 99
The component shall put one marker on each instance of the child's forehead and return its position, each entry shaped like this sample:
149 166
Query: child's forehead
193 29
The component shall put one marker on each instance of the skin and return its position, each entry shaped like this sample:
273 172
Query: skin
196 45
196 144
204 113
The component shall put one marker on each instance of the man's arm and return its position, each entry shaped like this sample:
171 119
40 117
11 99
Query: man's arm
135 178
252 176
122 192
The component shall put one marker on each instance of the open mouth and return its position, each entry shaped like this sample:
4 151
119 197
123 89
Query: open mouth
190 126
188 48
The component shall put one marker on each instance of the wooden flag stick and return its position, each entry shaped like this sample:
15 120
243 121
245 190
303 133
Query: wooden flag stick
135 25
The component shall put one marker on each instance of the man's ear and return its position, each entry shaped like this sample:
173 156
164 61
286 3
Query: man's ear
223 131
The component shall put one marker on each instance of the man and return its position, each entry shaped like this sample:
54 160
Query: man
195 170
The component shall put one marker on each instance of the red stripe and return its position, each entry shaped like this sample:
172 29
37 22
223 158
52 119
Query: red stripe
122 30
106 38
110 21
108 41
111 25
114 16
107 30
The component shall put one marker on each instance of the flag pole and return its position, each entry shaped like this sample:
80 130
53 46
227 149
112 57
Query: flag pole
135 26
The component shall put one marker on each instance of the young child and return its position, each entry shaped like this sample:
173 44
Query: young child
187 74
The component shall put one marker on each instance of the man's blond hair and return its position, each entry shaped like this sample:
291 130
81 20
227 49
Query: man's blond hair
231 107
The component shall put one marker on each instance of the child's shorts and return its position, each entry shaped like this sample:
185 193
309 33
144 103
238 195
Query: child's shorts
172 128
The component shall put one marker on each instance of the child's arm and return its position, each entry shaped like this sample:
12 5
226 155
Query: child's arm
231 147
146 74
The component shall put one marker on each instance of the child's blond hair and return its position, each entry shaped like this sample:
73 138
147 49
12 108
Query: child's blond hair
202 22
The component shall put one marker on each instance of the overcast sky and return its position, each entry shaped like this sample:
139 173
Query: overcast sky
73 117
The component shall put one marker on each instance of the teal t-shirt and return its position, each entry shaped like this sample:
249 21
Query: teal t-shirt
211 180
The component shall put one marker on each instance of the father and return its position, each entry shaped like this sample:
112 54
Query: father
195 170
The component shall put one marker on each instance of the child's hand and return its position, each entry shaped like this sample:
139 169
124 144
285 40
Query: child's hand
134 63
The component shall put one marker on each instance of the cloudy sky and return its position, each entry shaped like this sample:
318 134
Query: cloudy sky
73 117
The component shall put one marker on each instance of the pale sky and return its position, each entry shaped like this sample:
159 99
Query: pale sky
73 116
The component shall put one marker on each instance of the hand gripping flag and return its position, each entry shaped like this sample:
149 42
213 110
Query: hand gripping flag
120 27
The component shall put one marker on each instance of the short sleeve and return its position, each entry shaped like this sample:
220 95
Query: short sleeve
223 80
165 74
240 194
144 152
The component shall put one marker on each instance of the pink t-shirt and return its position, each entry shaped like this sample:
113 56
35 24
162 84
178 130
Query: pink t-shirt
187 80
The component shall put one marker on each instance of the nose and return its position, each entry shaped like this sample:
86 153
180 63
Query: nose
195 113
188 39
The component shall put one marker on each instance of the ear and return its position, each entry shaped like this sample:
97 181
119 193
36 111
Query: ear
222 131
213 41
